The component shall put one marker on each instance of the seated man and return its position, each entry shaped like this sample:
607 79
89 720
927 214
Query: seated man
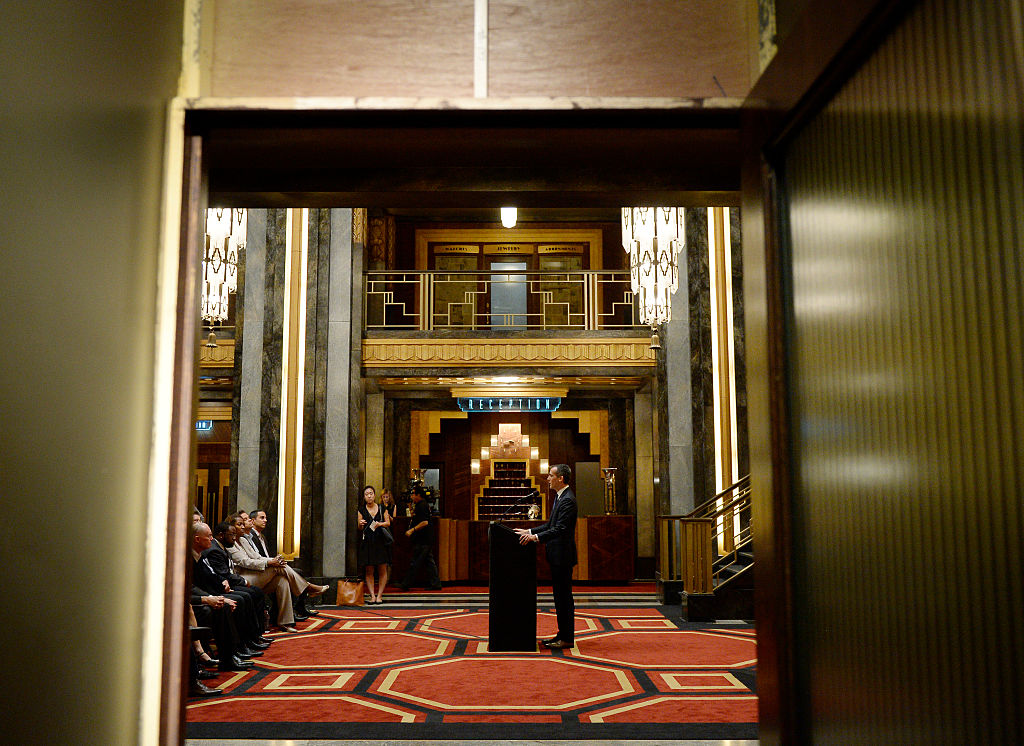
300 587
220 561
260 572
248 625
215 612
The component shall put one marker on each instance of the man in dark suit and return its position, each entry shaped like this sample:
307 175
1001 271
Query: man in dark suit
559 538
206 579
224 536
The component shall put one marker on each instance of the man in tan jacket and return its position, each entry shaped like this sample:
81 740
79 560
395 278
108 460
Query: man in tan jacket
266 574
300 587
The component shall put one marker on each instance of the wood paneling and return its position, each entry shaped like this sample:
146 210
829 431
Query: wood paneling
332 48
900 339
612 48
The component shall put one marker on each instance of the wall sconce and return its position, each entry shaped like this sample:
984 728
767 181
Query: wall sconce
544 468
526 440
534 453
474 466
485 454
509 216
494 441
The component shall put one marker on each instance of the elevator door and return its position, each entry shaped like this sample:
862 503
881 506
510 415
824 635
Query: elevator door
508 295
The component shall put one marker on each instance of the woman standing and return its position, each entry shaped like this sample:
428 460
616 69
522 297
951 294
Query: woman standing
387 501
375 546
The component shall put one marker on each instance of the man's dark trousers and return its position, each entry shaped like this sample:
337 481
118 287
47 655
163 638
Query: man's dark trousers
565 605
421 553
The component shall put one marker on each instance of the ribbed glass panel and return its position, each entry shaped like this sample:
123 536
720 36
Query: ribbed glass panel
906 198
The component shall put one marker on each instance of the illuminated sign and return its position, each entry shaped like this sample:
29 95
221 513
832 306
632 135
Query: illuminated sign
509 403
203 425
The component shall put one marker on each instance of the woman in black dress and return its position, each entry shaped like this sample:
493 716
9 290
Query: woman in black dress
374 546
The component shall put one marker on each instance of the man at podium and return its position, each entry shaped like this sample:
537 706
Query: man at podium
559 538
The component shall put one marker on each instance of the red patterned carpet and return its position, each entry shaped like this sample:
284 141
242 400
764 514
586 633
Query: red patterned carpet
380 672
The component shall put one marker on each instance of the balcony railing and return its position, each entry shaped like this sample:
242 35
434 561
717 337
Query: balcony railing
434 300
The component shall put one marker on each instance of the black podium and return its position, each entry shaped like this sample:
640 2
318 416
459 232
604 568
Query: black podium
512 620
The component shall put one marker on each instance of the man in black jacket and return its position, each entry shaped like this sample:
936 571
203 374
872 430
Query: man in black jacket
225 535
422 556
248 624
559 538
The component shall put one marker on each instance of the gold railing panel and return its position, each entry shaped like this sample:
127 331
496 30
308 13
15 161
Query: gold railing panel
432 299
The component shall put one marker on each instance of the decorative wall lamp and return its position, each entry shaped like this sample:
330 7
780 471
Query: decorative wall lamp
653 238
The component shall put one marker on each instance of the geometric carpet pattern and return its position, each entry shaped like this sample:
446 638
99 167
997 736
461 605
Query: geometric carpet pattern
393 673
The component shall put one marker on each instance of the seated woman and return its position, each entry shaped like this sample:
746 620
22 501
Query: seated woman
375 543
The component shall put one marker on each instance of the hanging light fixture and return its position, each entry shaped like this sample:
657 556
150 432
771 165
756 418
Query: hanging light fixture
509 215
653 238
225 238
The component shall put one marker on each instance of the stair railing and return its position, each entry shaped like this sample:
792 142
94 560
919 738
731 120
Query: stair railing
691 544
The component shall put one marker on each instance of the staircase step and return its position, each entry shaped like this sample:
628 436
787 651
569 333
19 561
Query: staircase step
582 598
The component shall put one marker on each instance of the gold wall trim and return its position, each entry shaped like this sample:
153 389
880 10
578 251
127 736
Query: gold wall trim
411 353
456 248
221 356
213 411
593 237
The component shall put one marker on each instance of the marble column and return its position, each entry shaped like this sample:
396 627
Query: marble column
338 392
645 508
249 362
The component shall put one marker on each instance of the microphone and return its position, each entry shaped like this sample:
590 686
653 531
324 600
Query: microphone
532 493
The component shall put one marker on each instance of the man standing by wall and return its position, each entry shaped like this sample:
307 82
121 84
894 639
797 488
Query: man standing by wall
419 530
559 538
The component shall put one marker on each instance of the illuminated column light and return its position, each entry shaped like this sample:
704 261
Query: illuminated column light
289 482
723 359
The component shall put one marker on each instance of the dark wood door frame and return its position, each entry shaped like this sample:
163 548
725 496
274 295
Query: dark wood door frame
827 44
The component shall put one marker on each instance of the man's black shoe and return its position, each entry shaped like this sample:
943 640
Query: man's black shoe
299 616
558 645
265 640
207 675
199 689
257 645
235 664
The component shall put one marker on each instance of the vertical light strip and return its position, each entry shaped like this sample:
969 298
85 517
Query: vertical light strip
480 48
722 355
293 359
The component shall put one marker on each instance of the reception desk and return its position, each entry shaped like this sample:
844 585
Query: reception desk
605 545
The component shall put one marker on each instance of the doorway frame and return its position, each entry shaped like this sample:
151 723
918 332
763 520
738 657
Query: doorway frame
616 155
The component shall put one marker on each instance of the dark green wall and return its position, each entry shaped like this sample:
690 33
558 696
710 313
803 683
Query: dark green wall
85 92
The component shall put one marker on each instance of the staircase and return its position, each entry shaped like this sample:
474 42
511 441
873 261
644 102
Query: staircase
707 558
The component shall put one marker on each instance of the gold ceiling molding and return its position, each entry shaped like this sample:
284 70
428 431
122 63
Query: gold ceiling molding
591 352
575 382
508 390
221 356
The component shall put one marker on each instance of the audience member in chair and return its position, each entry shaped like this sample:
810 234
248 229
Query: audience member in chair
220 561
216 612
300 587
204 577
262 572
